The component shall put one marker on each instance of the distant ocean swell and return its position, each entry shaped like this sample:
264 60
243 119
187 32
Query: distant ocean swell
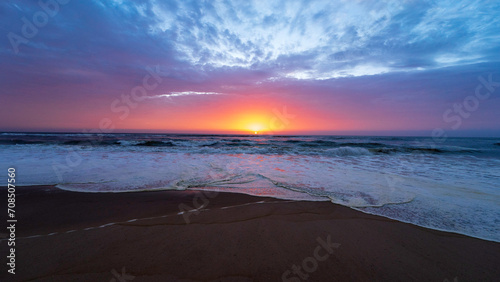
256 146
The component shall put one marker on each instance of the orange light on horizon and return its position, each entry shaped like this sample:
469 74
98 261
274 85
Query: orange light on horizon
233 115
255 127
251 121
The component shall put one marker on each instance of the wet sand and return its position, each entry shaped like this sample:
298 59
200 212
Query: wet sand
142 237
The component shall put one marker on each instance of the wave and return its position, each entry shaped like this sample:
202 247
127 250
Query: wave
19 142
93 143
348 151
407 150
274 145
155 144
319 143
290 146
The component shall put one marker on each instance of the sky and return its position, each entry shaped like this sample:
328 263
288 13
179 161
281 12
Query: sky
271 67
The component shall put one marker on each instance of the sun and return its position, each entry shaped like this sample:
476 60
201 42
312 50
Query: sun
255 128
252 123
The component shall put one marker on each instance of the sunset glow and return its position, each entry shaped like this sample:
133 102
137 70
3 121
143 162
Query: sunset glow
233 68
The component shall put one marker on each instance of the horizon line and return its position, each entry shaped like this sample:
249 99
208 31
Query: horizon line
490 133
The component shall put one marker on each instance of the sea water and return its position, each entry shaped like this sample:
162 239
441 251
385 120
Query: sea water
452 185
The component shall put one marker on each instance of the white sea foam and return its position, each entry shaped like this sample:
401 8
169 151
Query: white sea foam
347 151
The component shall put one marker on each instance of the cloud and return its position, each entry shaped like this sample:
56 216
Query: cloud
288 39
185 93
330 39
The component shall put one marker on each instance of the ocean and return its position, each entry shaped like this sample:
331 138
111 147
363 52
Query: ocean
452 185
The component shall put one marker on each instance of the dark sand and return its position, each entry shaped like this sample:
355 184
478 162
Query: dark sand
255 242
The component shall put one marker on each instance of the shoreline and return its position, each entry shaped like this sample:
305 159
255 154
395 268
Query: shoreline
209 190
235 237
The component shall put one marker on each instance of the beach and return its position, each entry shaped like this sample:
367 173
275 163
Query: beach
223 141
201 236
